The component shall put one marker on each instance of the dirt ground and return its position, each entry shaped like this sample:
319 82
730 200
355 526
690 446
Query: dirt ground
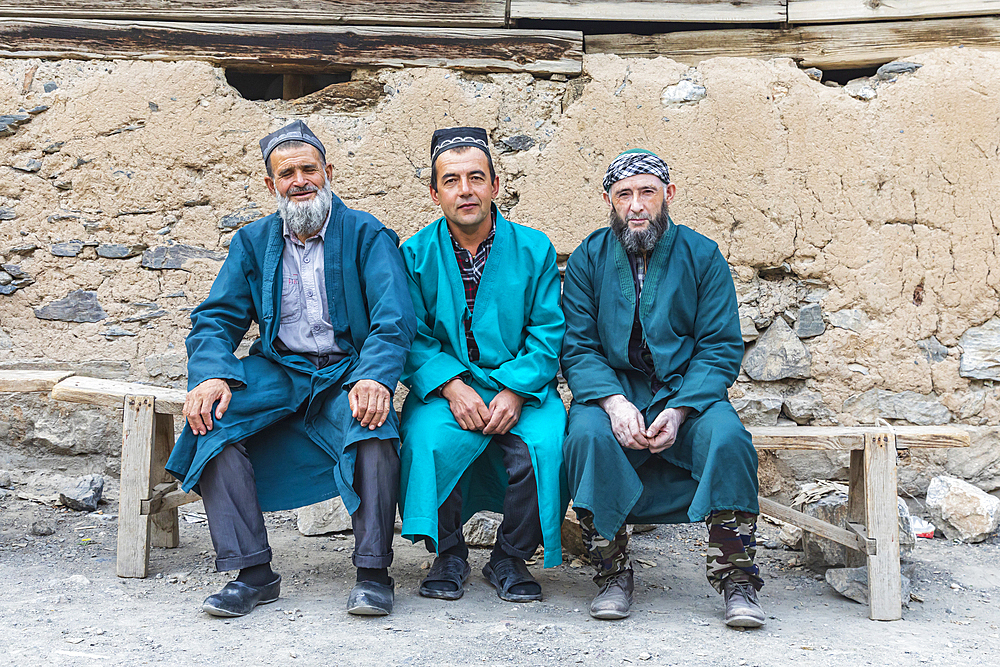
62 604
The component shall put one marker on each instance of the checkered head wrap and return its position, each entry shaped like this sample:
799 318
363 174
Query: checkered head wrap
636 161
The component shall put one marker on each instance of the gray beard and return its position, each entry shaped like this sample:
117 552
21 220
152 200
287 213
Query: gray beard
306 218
643 240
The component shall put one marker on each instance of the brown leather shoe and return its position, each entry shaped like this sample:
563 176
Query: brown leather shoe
615 598
742 606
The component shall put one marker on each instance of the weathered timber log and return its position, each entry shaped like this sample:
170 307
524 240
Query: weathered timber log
94 391
853 437
674 11
296 49
836 11
468 13
845 46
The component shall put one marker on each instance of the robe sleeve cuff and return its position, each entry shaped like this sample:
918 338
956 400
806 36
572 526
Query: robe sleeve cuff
508 380
435 372
231 373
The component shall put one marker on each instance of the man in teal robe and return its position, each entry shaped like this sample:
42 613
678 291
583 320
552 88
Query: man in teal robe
652 344
482 425
307 415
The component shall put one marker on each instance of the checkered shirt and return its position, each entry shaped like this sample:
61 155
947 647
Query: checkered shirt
471 267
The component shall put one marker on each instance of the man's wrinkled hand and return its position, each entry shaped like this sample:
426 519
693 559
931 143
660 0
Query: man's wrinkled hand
466 405
199 401
505 410
626 422
370 403
662 433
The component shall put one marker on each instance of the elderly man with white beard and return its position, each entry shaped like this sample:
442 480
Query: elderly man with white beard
307 414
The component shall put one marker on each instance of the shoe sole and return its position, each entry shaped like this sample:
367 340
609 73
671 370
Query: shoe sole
744 622
610 615
222 613
367 610
442 595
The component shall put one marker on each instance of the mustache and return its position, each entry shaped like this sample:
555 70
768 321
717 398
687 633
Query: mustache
298 190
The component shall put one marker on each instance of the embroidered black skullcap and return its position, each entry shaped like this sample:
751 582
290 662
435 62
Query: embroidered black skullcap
452 137
294 131
636 161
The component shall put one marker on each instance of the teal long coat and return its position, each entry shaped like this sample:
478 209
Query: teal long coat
297 418
518 326
689 319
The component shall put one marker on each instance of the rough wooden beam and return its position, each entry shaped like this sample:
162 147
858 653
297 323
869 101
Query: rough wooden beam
136 484
812 524
469 13
882 521
834 11
674 11
846 46
112 393
296 49
853 437
17 381
166 497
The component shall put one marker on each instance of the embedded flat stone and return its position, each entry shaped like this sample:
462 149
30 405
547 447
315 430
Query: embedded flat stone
981 351
777 355
810 321
77 306
174 256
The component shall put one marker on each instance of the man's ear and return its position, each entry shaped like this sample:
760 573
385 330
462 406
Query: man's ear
269 182
329 172
669 192
607 199
496 187
434 195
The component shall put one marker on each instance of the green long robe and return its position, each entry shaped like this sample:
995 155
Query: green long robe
296 419
688 313
518 326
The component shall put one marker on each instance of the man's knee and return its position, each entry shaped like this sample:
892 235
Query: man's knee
588 431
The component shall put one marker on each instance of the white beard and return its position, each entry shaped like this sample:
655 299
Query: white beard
306 218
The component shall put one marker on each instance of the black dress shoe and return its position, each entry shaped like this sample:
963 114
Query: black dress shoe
239 599
370 598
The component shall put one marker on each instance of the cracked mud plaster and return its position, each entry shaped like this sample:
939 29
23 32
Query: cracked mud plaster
870 199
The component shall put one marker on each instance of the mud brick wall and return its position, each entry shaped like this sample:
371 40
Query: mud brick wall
858 220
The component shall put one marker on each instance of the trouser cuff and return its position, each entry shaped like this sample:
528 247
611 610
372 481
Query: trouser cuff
511 550
372 561
240 562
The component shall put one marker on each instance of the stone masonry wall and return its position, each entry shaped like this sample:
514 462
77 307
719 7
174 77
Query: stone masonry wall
858 220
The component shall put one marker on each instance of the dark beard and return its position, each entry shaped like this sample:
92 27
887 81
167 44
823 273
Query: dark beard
643 240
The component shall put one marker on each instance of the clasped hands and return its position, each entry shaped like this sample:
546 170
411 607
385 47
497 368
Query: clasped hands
370 404
472 414
630 430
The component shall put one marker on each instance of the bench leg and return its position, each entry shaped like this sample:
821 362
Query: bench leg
136 486
882 521
165 530
856 504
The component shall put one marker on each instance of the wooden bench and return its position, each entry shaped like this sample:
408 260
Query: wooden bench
149 498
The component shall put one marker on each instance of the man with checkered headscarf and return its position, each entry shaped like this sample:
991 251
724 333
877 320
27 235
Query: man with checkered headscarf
652 344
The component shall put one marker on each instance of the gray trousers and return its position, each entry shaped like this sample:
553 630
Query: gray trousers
520 533
229 491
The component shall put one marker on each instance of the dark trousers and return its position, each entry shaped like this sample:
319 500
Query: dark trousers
229 492
520 533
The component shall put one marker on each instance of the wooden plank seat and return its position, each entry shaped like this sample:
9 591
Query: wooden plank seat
149 498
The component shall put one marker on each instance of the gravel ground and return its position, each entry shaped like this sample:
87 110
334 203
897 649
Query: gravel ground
63 604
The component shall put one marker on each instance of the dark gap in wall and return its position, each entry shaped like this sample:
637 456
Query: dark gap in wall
270 86
842 76
633 27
